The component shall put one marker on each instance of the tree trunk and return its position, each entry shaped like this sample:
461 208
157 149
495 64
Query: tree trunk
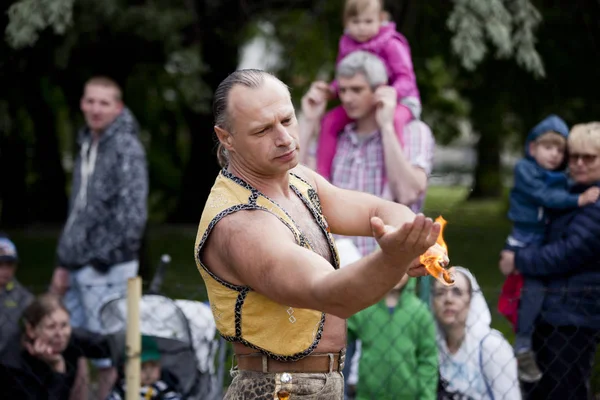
200 172
491 103
13 190
48 195
220 40
487 177
405 15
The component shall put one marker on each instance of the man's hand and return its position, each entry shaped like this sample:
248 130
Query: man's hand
386 101
416 269
315 100
507 262
408 242
60 281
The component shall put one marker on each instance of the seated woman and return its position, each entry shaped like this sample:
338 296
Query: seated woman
41 362
567 331
476 362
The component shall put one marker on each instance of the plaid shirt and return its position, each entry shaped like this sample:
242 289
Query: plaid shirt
359 165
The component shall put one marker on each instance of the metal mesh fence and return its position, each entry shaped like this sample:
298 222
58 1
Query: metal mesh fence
404 350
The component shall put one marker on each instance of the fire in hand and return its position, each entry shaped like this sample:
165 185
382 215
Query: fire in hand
436 259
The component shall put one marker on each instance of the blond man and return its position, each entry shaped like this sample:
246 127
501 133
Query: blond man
98 249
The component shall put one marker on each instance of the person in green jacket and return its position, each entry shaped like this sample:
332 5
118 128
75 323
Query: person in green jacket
398 355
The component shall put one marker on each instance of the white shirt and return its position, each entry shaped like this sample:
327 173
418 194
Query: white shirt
481 368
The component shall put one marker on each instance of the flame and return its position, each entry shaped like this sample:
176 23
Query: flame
435 261
440 239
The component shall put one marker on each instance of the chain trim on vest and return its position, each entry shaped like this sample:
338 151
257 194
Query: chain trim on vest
320 220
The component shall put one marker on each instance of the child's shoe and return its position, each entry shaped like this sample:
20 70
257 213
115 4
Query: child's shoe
528 369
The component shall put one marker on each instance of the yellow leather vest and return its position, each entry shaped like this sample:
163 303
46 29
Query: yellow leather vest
241 314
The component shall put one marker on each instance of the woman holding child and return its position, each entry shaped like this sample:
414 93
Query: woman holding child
566 331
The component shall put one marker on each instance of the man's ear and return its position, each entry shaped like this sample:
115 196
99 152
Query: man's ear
224 137
120 105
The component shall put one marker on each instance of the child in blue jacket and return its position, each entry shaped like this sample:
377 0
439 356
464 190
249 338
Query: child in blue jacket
540 183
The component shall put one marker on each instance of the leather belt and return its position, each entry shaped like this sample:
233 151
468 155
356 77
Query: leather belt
316 362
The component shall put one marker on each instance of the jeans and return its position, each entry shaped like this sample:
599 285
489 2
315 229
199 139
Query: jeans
90 289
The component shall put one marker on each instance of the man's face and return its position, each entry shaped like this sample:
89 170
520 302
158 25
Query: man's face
264 129
100 106
7 272
356 96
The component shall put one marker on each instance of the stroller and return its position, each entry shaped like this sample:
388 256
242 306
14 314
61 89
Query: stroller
192 354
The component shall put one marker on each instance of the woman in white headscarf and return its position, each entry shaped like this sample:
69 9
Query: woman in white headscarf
476 362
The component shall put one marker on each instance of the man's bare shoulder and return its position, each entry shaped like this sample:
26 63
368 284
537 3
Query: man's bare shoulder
245 239
307 174
244 229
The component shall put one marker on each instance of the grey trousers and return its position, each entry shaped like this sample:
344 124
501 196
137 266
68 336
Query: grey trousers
248 385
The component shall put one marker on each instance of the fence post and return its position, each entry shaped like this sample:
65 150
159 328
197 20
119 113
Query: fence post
133 338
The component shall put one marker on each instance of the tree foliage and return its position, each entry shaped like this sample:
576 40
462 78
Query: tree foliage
476 60
29 17
508 24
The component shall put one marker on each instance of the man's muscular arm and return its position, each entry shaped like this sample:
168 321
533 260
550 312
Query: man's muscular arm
254 248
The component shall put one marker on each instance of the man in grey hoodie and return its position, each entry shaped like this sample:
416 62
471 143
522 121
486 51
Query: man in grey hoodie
98 249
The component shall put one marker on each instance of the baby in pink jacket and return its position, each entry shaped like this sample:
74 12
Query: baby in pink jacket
366 28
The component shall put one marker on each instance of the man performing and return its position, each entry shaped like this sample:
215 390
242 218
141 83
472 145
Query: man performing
273 277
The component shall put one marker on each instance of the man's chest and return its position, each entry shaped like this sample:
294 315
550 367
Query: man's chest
358 153
102 179
304 219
